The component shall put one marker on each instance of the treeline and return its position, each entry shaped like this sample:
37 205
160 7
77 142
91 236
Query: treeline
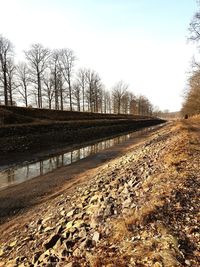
47 79
191 105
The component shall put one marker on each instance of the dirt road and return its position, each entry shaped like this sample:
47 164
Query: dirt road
139 209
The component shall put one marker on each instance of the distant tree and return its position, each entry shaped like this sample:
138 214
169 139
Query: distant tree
38 58
106 101
94 89
77 95
67 61
145 107
55 77
12 85
81 80
49 89
191 105
194 27
61 89
23 80
6 54
119 92
133 108
125 103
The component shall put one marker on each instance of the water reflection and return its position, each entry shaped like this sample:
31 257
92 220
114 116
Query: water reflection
20 174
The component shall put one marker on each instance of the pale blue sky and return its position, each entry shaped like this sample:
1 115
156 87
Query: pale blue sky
142 42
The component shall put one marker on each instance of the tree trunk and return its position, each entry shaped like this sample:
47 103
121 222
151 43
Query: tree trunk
70 96
26 97
5 83
61 97
39 90
83 99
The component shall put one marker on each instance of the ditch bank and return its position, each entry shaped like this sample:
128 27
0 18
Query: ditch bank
34 137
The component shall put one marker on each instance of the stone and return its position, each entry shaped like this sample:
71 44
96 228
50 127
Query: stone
69 244
11 263
88 243
39 221
1 252
70 213
51 241
36 256
187 262
47 229
73 264
157 264
69 225
96 236
77 252
78 223
109 210
12 244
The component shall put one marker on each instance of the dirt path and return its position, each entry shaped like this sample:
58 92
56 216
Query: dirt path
140 209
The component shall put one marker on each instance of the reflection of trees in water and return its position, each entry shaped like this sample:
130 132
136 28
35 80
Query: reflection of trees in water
48 165
76 155
27 171
62 160
41 167
11 175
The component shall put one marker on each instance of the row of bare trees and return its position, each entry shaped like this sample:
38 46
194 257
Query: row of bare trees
47 79
191 104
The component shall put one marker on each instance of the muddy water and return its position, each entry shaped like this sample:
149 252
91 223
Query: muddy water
20 173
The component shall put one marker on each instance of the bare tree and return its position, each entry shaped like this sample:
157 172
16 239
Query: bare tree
194 28
67 60
125 103
49 88
61 89
191 105
6 53
38 57
81 80
144 106
77 95
23 79
94 89
106 102
118 93
55 73
12 85
132 103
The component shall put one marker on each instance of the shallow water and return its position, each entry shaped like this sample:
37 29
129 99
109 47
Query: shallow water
20 173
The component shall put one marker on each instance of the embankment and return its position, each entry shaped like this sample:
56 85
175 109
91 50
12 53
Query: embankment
19 115
46 135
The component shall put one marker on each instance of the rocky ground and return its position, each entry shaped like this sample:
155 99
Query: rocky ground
141 209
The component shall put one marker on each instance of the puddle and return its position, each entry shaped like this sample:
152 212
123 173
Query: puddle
26 171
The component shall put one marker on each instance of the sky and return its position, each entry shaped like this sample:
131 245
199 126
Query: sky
142 42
